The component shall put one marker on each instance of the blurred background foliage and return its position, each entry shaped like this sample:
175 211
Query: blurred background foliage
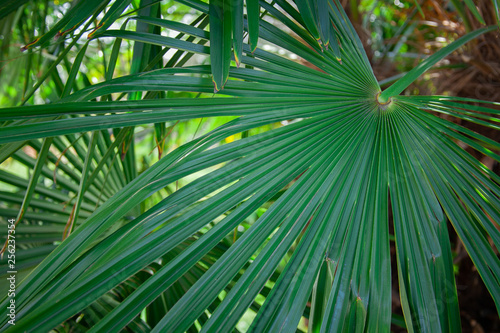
396 36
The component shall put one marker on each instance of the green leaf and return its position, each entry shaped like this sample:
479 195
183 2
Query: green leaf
40 162
9 6
221 12
472 7
253 15
321 291
154 40
237 29
78 14
309 14
111 15
74 71
83 184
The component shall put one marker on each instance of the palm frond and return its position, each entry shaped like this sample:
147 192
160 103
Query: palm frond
349 162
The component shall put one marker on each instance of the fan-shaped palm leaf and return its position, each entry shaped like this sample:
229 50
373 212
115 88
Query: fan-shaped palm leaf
348 158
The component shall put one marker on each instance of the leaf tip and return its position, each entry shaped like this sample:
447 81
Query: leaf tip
64 32
216 89
91 34
30 45
237 60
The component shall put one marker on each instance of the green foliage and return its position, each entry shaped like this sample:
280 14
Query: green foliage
268 202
